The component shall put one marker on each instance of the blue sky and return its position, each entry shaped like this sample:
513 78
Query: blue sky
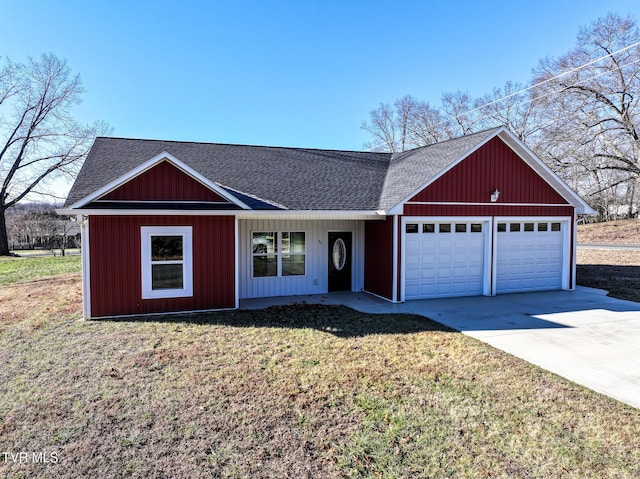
285 73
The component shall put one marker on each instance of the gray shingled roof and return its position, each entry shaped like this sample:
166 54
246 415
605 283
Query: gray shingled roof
410 170
293 178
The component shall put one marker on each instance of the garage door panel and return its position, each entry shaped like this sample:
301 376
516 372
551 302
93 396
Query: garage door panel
528 260
412 274
450 263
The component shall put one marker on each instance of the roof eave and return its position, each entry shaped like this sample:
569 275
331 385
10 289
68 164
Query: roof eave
242 214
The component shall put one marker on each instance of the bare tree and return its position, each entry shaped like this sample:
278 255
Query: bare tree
39 139
409 123
382 129
463 118
512 107
405 111
427 126
589 100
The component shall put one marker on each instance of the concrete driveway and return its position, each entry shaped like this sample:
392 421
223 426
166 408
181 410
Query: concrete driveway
582 335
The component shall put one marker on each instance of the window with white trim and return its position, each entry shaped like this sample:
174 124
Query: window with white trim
277 253
167 262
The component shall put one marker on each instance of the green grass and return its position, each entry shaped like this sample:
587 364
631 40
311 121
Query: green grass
294 391
15 269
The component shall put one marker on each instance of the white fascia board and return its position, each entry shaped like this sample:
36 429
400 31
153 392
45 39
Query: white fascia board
147 165
143 212
253 214
311 214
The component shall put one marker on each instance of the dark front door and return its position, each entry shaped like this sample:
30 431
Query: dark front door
340 261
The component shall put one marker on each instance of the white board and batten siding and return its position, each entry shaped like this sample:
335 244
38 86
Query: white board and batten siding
315 279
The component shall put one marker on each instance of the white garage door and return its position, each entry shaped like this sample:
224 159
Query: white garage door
444 259
529 256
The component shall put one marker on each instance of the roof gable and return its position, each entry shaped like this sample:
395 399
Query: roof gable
415 160
492 166
163 182
138 183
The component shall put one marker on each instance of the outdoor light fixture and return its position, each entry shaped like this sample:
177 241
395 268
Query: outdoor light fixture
494 196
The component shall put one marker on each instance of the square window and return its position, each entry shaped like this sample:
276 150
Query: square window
476 227
461 228
265 266
555 226
529 226
265 243
166 276
166 248
411 228
502 227
293 265
543 226
428 228
514 227
444 228
296 242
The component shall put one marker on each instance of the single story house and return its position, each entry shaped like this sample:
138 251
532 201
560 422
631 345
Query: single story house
173 226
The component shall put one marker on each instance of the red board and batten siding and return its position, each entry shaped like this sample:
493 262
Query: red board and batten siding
163 182
116 283
378 257
494 165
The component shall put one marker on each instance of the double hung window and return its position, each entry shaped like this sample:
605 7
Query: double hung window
167 262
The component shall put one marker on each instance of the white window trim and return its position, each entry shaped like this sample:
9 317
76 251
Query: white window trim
146 232
278 254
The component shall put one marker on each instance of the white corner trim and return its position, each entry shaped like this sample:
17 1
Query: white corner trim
147 165
394 252
86 266
236 247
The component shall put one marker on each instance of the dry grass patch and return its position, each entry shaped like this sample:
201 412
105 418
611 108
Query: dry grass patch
298 391
33 302
611 232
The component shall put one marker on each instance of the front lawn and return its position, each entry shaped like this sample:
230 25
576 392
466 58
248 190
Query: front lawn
14 269
300 391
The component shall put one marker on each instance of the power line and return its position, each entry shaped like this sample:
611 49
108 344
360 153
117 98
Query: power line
554 77
388 143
